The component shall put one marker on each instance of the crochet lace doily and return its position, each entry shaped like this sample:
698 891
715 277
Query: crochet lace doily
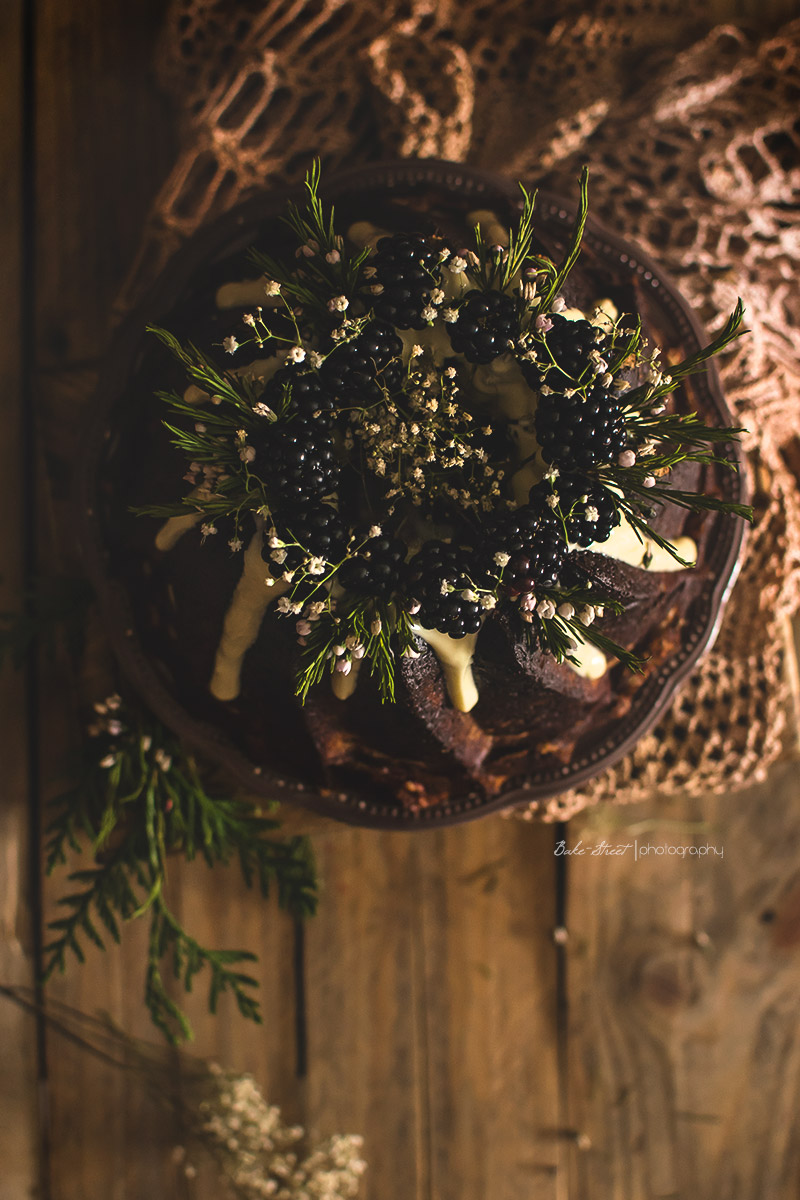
694 155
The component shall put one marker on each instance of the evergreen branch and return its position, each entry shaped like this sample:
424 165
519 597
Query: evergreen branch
144 796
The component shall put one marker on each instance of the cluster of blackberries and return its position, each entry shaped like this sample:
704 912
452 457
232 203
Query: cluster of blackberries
295 454
359 371
533 539
377 569
440 581
487 322
579 421
317 529
587 508
585 429
408 270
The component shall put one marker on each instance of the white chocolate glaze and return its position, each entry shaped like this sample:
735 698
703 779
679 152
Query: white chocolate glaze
245 293
591 662
455 659
625 546
242 622
343 686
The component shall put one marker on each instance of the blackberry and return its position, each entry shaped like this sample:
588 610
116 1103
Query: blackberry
534 540
407 268
378 569
308 396
487 321
569 344
438 564
581 430
318 529
578 495
296 460
359 370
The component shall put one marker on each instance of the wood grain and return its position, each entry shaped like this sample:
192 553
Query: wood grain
18 1105
431 1010
684 983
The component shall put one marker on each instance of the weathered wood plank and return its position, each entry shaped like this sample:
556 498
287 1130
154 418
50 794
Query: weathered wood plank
18 1102
684 985
431 1010
488 975
106 140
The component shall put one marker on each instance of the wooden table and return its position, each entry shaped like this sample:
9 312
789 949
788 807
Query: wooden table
500 1022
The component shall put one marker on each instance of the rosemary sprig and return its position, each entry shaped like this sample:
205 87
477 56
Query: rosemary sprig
574 247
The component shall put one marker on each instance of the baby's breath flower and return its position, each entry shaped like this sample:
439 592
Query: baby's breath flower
502 559
230 344
296 354
272 287
457 265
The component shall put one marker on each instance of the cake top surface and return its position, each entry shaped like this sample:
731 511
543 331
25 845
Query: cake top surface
408 434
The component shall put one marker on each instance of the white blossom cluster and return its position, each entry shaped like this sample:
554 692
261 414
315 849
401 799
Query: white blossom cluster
424 445
261 1156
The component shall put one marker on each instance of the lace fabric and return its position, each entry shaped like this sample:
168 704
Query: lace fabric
694 155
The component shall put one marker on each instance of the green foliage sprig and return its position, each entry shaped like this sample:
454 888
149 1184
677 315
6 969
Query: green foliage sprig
140 801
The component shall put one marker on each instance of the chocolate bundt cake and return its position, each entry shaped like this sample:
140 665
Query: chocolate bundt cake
450 532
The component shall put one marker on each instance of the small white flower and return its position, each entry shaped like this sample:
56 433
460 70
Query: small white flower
115 728
528 602
230 344
236 544
416 351
344 666
248 319
296 354
414 607
272 288
376 627
338 650
552 500
262 410
278 556
449 315
488 601
502 559
469 595
528 291
284 604
449 372
649 481
208 530
457 265
607 379
375 531
445 588
163 759
559 304
108 761
428 313
333 256
247 453
552 474
437 296
546 609
358 651
566 610
316 566
316 359
586 614
338 304
592 515
626 459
